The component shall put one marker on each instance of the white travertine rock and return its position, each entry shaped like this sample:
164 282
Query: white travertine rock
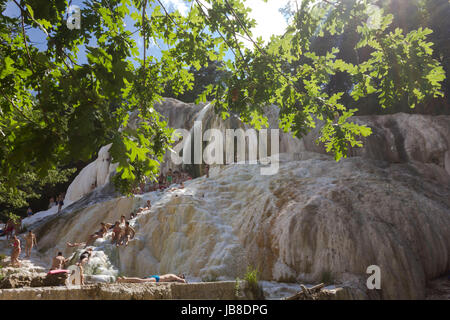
316 218
401 138
388 205
94 175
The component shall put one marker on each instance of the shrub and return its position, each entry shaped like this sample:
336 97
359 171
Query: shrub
251 277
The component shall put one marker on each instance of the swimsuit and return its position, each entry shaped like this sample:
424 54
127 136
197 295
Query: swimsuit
154 276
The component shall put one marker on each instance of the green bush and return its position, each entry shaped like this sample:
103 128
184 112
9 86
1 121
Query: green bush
252 279
237 288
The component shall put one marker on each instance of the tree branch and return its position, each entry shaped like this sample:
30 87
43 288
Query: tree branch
16 107
143 28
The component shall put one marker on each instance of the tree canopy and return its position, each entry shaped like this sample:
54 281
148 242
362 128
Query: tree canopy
55 110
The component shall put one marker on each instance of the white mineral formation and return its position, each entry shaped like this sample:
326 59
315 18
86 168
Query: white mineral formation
316 220
95 174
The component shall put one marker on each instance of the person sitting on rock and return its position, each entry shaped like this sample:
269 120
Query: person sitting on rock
123 220
128 233
30 240
154 278
149 205
117 233
99 234
141 209
51 203
15 252
58 262
180 187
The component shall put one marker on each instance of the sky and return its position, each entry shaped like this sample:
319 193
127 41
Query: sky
268 18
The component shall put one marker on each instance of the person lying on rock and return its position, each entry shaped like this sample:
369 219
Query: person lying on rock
58 262
154 278
117 233
75 244
15 252
99 234
128 233
141 209
30 240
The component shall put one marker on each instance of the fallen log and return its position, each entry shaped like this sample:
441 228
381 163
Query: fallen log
306 293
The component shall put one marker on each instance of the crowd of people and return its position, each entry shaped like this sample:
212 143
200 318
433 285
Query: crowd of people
121 231
12 226
30 242
57 201
121 234
164 181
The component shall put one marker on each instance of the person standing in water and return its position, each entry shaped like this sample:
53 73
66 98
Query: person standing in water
29 212
15 252
30 240
84 258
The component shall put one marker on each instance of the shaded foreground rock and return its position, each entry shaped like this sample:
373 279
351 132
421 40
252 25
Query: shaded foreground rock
24 279
319 292
133 291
